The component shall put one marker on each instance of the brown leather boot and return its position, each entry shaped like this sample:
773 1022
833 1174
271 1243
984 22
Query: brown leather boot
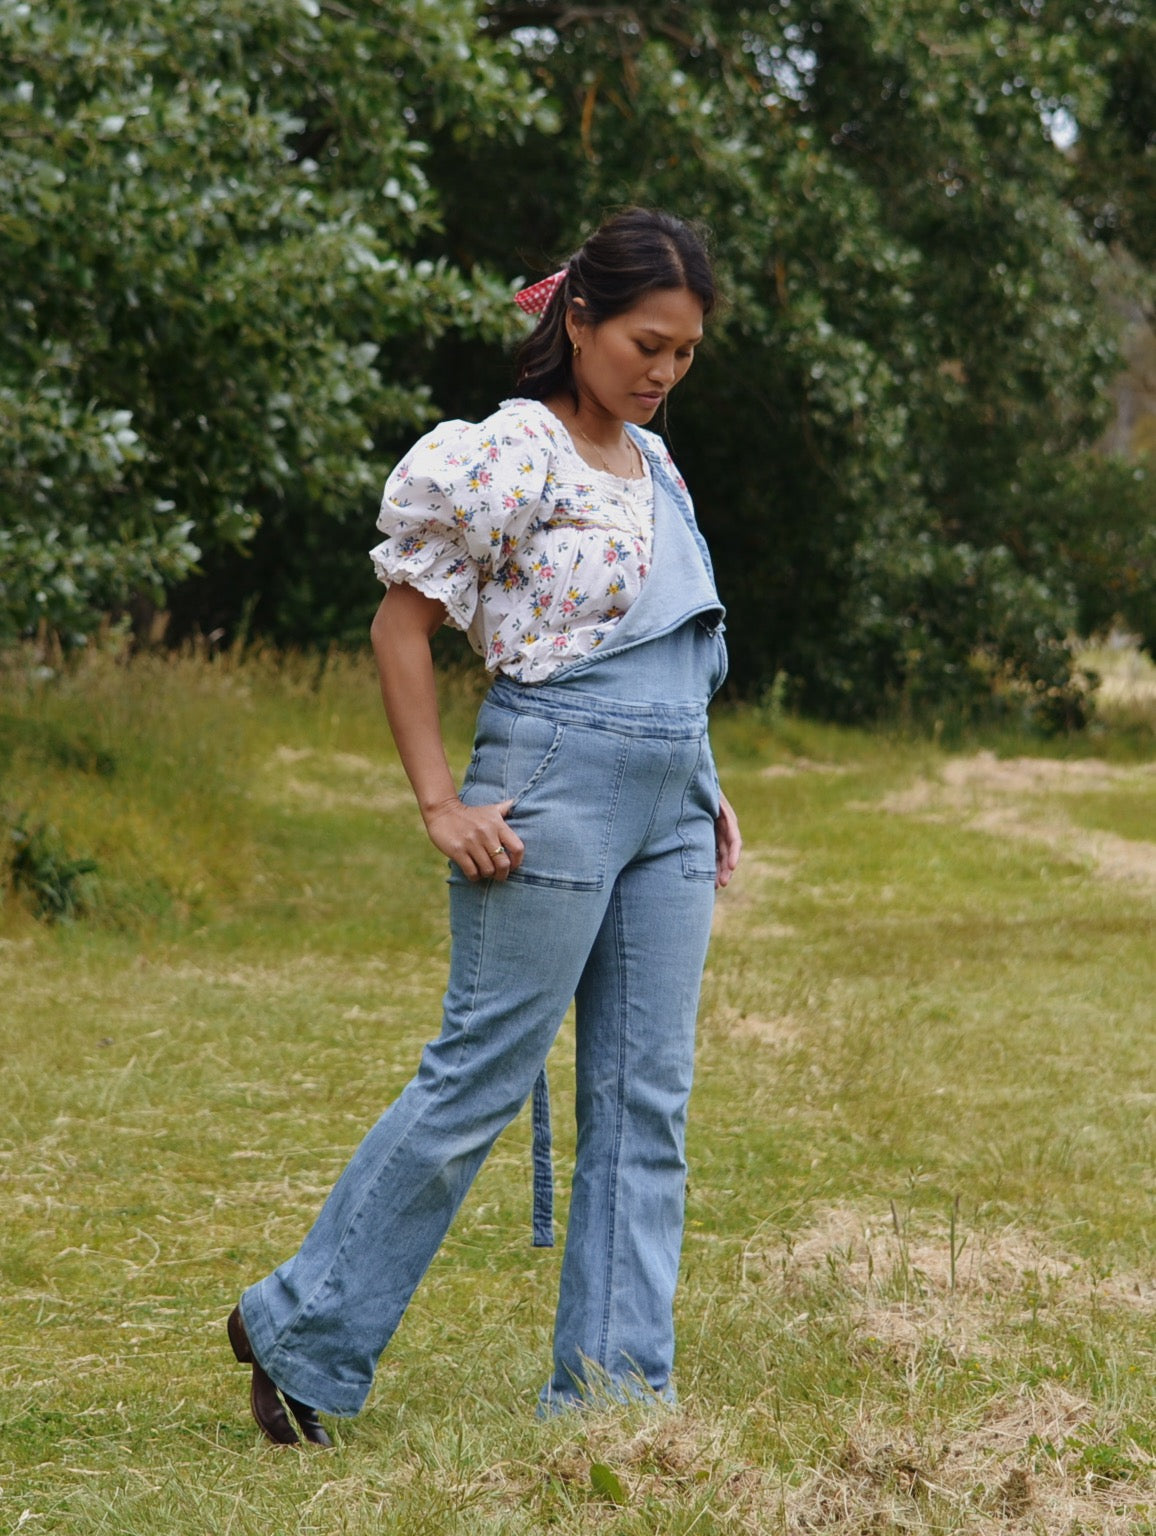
265 1397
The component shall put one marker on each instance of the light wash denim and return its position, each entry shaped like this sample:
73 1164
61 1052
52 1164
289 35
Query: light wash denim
615 798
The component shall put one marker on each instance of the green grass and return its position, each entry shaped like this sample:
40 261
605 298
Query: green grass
919 1289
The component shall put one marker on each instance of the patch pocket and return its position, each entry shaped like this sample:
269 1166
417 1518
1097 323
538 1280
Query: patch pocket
566 812
696 825
511 757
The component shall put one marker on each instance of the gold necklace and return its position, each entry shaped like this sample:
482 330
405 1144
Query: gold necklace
636 457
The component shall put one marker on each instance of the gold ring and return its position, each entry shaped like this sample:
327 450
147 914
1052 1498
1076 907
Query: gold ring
499 849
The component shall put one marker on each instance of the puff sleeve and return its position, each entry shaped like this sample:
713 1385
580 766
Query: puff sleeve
457 506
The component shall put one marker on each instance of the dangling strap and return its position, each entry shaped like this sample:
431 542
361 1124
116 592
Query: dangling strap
543 1167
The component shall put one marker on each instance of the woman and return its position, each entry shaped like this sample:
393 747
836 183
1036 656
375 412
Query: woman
585 844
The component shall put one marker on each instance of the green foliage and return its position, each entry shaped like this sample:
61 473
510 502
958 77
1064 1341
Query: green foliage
607 1484
252 248
206 215
890 436
57 884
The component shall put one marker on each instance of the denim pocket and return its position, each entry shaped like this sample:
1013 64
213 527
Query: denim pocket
696 824
511 754
564 782
534 743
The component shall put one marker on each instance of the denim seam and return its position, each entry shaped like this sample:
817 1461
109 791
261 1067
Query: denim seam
616 1152
308 1307
691 870
658 798
505 748
610 716
535 777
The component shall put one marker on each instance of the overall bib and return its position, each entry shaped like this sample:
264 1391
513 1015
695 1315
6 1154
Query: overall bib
615 798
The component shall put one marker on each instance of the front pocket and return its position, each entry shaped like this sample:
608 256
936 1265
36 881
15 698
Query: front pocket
567 811
534 744
511 754
564 781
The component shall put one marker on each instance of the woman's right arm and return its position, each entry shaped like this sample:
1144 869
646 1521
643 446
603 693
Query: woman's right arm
469 835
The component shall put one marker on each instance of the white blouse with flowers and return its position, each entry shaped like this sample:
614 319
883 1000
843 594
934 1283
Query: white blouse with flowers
533 553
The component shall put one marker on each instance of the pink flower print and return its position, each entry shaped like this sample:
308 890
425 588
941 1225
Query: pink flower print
515 499
412 544
572 601
479 478
642 570
615 551
462 516
509 545
497 646
543 568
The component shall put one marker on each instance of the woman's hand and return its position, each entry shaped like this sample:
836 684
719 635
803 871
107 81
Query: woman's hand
476 837
728 842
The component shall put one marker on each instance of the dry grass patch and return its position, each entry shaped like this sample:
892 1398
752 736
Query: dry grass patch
778 1032
871 1252
1044 1462
1015 798
1037 1458
799 765
608 1464
334 781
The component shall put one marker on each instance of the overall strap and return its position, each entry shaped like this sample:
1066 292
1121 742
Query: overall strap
662 467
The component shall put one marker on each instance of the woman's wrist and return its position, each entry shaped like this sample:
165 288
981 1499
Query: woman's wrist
432 806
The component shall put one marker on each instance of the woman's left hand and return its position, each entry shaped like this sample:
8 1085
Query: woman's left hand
728 842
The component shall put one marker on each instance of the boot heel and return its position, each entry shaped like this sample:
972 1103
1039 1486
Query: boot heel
238 1338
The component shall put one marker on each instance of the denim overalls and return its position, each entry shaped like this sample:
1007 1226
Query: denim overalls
615 797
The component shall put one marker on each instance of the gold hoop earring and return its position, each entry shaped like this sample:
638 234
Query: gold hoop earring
577 349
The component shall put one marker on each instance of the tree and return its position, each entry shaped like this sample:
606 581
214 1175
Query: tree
892 434
896 462
207 222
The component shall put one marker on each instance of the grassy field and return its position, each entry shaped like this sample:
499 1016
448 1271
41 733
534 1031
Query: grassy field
919 1290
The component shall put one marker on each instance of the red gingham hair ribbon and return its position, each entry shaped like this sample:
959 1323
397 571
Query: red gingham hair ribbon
537 296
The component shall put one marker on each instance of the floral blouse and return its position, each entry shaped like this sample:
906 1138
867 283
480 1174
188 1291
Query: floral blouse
534 554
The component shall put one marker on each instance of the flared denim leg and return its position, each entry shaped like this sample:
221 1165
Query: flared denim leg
615 802
636 1009
319 1323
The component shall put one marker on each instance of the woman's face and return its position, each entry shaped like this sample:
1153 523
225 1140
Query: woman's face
626 366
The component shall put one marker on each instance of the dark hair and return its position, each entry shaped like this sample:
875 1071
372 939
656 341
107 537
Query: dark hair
631 254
